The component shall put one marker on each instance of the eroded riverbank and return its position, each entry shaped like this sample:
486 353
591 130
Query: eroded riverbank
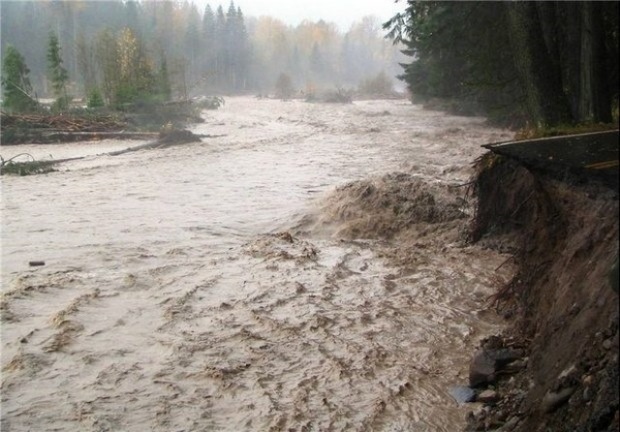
220 285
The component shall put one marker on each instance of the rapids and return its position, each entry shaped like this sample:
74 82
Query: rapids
218 285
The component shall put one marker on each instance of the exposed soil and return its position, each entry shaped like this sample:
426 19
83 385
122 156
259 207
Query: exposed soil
565 237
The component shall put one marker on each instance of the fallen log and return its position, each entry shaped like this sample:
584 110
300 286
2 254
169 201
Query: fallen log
15 137
68 136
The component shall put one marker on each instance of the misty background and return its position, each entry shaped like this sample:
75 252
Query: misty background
204 48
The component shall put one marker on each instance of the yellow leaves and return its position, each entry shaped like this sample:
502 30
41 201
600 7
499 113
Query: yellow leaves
270 31
134 65
308 33
272 34
128 51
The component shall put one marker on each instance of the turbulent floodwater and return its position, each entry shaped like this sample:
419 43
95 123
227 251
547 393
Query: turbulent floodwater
217 286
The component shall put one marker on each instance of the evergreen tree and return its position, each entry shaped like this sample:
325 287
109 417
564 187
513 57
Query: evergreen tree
235 45
57 74
230 48
193 43
242 51
95 100
209 48
220 47
208 24
545 62
16 83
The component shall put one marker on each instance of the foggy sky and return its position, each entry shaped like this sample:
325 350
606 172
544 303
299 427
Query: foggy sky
341 12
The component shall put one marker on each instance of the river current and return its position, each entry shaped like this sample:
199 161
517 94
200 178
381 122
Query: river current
220 286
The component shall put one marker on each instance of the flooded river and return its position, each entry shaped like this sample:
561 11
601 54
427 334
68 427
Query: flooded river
275 277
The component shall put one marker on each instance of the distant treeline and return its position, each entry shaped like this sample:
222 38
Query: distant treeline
215 50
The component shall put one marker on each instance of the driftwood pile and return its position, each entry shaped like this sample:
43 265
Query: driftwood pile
62 123
44 129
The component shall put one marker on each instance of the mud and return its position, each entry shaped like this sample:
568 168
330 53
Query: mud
252 281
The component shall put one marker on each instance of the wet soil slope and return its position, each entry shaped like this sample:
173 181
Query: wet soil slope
565 232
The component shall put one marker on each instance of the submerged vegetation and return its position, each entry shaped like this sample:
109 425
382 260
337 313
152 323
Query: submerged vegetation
24 167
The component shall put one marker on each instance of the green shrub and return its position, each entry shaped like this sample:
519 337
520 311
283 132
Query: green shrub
95 100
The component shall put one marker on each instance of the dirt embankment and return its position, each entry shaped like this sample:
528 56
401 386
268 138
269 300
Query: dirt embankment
563 299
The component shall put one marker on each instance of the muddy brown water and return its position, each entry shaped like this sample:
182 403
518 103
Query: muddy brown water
169 302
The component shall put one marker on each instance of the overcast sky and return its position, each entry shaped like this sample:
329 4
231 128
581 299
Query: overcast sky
342 12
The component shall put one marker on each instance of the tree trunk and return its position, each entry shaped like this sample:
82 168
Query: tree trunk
569 46
549 25
594 100
540 77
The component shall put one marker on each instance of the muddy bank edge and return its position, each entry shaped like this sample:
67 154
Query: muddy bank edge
562 302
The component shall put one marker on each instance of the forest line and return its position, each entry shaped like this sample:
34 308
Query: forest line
118 50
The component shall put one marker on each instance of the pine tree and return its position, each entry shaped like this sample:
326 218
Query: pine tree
95 100
209 54
57 74
192 42
242 51
220 47
230 47
15 83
